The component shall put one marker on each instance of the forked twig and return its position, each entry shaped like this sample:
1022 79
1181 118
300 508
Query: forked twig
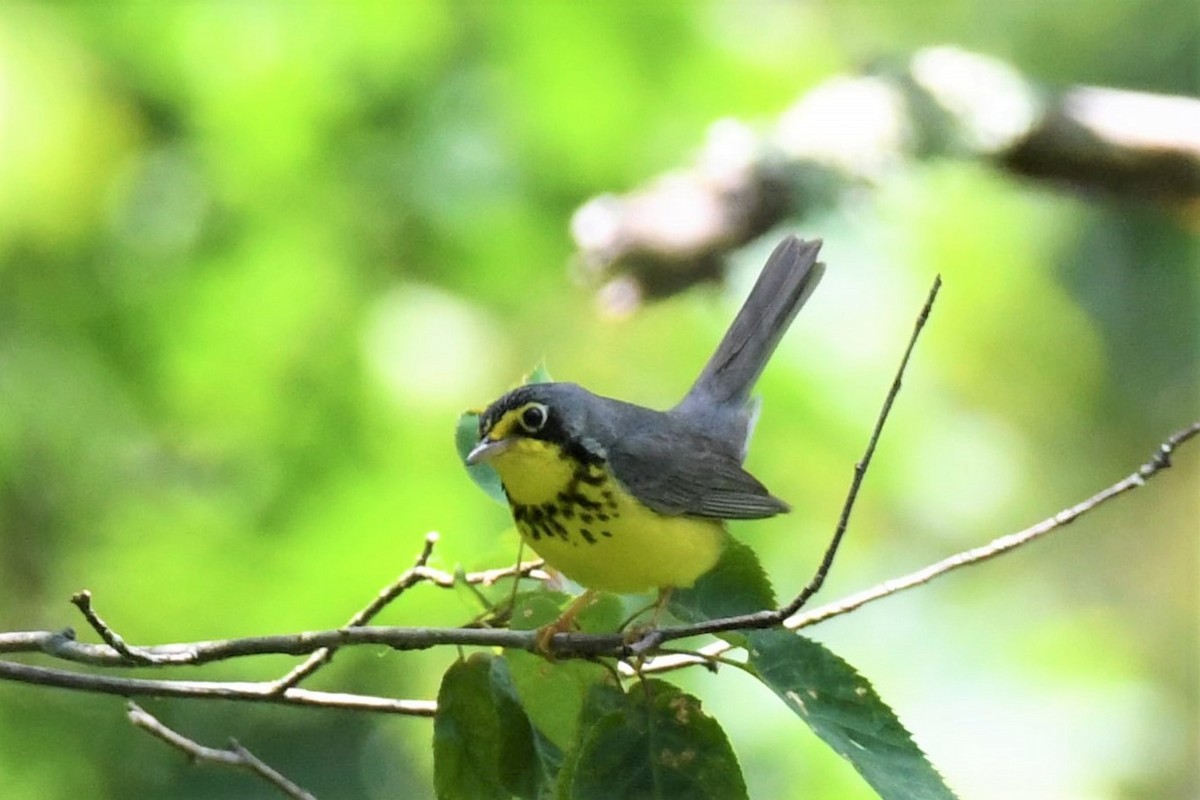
1160 461
234 756
83 601
406 580
418 573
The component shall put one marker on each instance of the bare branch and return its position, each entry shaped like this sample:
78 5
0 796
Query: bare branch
1130 144
63 645
235 756
298 644
1160 461
487 577
83 601
419 572
389 593
209 690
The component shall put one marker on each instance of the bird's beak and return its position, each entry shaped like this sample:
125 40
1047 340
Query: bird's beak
487 450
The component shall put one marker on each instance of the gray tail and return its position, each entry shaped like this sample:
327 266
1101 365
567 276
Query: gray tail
788 278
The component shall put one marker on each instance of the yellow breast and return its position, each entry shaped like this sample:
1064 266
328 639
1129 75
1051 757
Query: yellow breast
588 527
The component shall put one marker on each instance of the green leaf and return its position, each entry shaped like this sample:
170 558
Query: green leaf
552 692
537 608
539 374
604 613
736 585
529 762
466 435
843 709
604 698
656 744
467 734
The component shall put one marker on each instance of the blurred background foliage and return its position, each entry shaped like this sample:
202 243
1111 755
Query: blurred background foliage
256 258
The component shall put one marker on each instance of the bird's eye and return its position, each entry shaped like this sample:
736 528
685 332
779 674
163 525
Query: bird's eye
533 418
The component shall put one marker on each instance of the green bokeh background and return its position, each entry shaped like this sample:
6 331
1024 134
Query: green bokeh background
256 258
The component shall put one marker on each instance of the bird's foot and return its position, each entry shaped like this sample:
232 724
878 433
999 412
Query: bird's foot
565 623
638 631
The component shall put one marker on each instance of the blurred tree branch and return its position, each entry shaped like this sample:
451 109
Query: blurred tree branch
849 132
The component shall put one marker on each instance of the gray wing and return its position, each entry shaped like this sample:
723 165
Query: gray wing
691 475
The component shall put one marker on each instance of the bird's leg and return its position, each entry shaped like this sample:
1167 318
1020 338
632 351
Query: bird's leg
565 622
664 594
636 631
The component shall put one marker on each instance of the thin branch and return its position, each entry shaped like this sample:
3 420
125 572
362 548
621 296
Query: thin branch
860 469
487 577
407 579
418 573
297 644
1160 461
210 690
63 644
235 756
83 601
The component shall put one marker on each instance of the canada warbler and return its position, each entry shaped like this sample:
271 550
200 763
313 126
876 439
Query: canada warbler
623 498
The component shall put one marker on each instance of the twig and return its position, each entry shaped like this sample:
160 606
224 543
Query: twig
210 690
420 571
235 756
63 645
83 601
1160 461
389 593
528 569
860 469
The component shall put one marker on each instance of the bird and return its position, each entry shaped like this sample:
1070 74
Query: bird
623 498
